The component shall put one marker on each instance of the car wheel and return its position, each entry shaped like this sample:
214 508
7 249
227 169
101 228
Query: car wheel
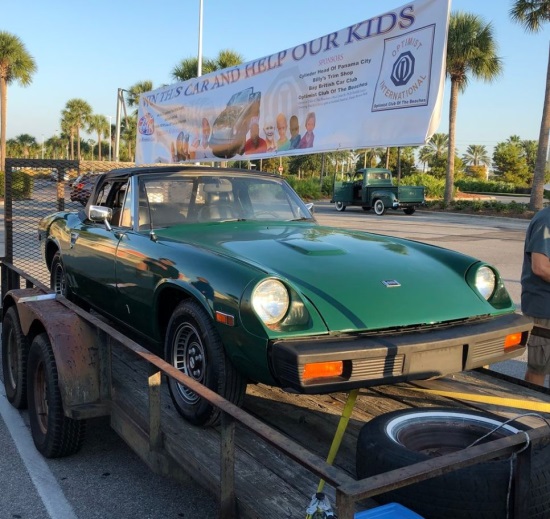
58 279
54 434
340 206
379 207
409 210
401 438
15 349
194 347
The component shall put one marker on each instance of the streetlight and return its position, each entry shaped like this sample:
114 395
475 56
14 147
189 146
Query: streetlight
110 118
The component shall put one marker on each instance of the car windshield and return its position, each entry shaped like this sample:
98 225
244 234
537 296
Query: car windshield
174 200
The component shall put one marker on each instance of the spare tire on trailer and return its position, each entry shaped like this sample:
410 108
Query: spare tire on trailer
401 438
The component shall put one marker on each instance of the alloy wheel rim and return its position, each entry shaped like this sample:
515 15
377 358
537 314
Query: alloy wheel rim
189 358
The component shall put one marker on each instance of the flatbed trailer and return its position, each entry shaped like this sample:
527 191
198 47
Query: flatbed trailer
264 460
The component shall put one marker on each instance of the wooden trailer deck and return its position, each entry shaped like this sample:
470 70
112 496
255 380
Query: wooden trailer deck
268 483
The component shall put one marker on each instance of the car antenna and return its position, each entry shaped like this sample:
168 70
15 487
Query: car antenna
152 235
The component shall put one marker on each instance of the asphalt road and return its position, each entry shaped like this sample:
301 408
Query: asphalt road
107 480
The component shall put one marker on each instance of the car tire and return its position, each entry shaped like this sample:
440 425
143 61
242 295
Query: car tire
409 210
340 206
379 207
54 434
15 351
401 438
58 277
194 346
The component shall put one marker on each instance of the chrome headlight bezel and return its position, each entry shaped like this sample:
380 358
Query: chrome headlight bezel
270 301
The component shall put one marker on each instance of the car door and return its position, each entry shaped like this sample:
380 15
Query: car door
90 260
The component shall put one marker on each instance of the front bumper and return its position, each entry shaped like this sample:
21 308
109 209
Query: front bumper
371 360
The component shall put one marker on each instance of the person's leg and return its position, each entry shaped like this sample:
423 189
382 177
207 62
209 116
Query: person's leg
534 377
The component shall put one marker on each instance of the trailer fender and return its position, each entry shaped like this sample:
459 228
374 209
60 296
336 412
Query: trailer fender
76 348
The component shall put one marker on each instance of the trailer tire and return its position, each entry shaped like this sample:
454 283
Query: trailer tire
401 438
194 346
379 207
54 434
15 350
409 210
340 206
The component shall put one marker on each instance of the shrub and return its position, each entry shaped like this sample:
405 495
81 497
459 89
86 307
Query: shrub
307 188
21 185
435 187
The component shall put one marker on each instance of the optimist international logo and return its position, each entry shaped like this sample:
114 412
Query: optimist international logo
404 79
146 125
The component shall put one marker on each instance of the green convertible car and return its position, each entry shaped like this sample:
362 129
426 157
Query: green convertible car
227 274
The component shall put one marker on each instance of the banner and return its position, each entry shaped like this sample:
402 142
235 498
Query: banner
376 83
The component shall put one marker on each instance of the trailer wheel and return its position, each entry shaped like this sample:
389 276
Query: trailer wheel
58 279
401 438
340 206
194 346
15 350
409 210
54 434
379 207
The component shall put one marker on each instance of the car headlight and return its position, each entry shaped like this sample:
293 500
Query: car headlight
270 301
485 281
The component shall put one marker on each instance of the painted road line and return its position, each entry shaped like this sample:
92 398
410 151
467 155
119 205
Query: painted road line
542 407
44 481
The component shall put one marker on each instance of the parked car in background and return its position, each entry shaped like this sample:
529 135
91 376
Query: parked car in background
81 187
227 274
56 176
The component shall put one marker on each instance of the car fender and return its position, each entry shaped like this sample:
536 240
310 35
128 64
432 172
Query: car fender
389 198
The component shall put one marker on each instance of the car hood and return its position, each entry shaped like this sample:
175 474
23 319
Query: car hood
356 280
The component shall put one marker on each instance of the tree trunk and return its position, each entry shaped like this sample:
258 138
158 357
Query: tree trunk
537 190
99 145
3 121
449 184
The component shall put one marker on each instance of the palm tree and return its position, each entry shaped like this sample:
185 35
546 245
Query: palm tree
188 67
100 125
76 115
135 91
26 144
471 51
476 155
532 14
16 64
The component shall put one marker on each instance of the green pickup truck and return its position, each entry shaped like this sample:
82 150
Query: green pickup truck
372 188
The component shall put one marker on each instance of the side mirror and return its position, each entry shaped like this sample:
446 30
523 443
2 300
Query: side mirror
99 213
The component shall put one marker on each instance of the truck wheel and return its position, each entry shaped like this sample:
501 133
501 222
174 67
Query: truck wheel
340 206
15 350
401 438
379 208
54 434
409 210
58 279
194 346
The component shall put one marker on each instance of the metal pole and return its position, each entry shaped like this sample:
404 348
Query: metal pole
199 56
110 138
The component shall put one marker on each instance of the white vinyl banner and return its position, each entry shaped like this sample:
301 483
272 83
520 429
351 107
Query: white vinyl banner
376 83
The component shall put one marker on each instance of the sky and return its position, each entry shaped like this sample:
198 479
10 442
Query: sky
89 50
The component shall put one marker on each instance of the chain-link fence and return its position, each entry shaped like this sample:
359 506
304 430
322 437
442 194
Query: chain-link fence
34 188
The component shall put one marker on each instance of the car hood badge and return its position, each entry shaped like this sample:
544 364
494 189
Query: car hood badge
391 283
